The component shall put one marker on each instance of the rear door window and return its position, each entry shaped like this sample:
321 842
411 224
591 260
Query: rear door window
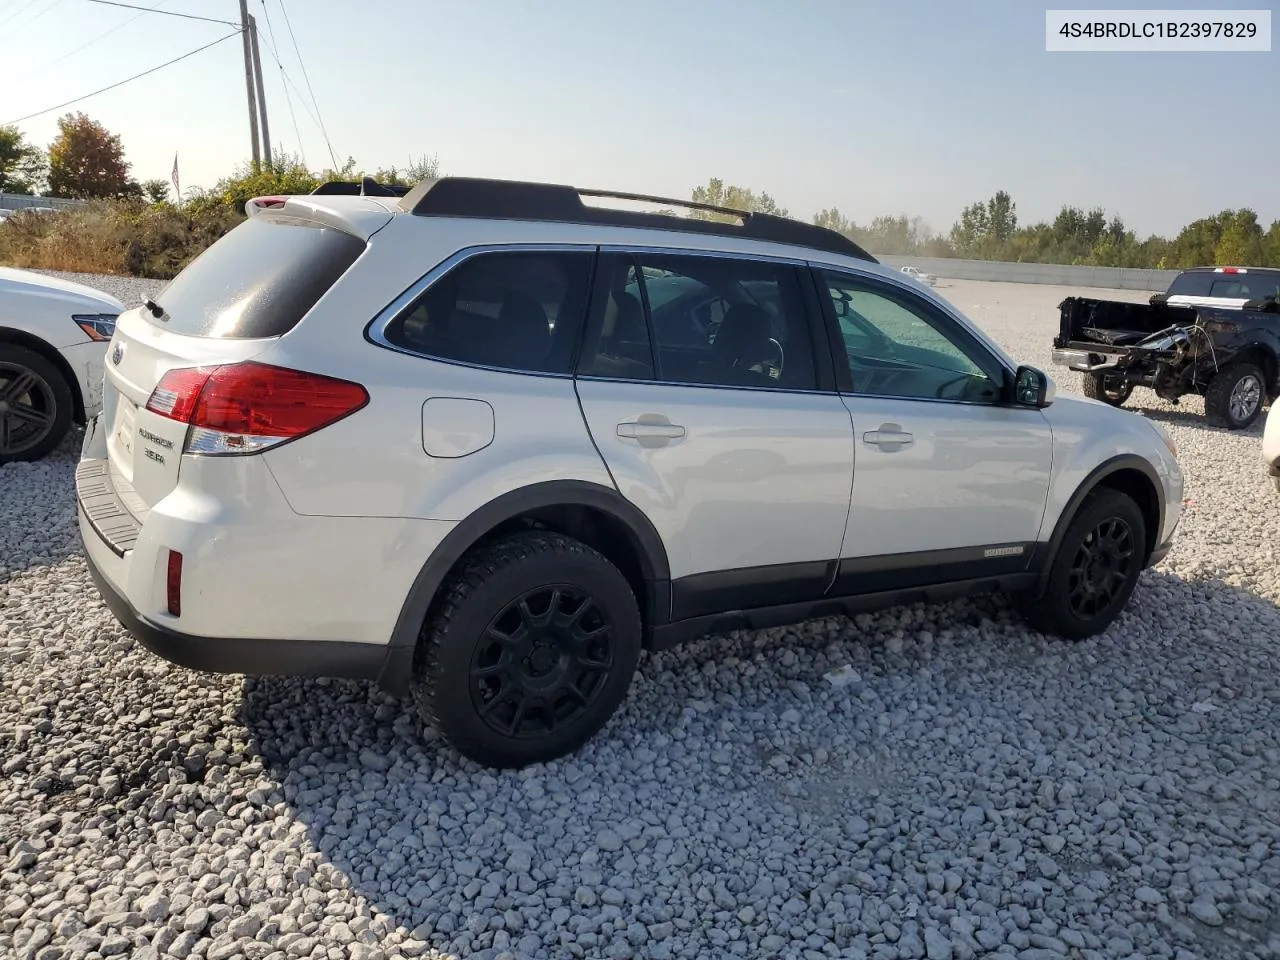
257 281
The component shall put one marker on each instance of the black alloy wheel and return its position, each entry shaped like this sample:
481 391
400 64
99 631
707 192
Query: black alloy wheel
542 662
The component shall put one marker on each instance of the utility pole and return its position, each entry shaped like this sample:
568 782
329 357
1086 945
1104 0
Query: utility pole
248 81
262 97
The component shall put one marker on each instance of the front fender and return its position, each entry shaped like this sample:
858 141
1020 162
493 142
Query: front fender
1092 442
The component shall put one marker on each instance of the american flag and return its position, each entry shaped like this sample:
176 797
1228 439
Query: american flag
174 177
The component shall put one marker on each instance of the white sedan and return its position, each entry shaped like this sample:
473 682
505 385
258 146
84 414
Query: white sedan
53 344
916 274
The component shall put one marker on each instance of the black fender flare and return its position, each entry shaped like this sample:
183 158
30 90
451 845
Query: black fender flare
398 667
1109 467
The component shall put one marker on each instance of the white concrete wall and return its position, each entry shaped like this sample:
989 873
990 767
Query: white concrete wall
16 201
1107 278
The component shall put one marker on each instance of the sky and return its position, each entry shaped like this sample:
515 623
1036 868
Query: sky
903 107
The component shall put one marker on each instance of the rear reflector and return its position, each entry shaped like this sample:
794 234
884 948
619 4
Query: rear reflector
248 407
173 584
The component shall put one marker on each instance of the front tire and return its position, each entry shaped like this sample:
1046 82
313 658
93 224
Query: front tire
35 405
530 651
1095 570
1098 386
1235 396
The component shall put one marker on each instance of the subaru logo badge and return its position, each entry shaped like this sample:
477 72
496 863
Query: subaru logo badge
117 354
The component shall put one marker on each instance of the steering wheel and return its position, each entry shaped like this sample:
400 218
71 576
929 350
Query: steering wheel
782 356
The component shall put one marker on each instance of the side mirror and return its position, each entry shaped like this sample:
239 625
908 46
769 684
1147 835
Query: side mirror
1033 388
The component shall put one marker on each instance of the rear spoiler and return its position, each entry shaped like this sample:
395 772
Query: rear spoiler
367 187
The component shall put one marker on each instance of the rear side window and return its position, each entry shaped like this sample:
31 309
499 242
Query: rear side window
257 281
518 310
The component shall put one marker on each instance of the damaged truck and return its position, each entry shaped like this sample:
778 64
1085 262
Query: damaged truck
1223 345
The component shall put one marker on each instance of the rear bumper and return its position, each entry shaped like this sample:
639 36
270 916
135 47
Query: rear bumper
264 590
356 661
1086 361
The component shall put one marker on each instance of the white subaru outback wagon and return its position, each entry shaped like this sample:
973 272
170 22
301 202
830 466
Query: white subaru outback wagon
486 441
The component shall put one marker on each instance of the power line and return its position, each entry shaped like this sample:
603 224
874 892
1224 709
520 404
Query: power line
167 13
271 46
14 15
121 83
302 97
89 43
305 77
30 20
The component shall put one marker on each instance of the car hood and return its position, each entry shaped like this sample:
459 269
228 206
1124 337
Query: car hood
26 283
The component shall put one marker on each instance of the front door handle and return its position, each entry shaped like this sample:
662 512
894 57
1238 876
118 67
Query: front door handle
890 437
639 430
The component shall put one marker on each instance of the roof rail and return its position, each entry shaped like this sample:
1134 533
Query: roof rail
519 200
367 187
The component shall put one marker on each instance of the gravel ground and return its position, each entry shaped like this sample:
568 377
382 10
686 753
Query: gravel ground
972 789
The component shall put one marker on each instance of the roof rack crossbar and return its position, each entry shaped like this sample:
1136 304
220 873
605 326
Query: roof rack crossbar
665 201
519 200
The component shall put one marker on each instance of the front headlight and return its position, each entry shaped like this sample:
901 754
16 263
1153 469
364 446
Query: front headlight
98 326
1166 436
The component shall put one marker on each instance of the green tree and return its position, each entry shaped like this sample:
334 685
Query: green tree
1271 246
833 219
717 194
86 161
22 165
286 174
969 235
1002 219
156 191
1241 240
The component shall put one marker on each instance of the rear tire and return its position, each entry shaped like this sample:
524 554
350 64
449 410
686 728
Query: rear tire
1098 386
1235 396
530 650
35 405
1093 574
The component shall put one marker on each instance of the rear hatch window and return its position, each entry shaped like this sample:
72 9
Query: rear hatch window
257 281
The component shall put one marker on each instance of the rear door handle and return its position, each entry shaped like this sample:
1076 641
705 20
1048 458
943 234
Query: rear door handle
636 430
890 437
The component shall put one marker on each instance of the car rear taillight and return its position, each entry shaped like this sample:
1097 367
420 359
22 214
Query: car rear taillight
249 407
1231 270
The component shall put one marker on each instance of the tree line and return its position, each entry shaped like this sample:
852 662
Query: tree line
989 230
86 161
